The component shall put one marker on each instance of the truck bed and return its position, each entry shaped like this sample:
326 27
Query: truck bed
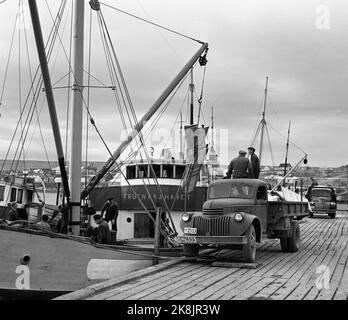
277 210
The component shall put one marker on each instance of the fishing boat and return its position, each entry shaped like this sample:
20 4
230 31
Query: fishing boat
40 263
141 178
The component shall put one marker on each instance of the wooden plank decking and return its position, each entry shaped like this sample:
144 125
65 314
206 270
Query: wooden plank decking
279 276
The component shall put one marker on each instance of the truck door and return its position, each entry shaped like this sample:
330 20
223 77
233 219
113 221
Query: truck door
261 206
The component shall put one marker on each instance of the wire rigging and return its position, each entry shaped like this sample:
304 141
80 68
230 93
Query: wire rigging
38 79
152 23
8 60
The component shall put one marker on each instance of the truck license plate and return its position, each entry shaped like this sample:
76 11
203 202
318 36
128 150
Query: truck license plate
188 239
190 230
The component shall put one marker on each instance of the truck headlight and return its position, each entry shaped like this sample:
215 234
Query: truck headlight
332 204
238 217
186 217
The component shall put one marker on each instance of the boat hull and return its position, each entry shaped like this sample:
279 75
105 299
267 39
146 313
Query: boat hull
61 265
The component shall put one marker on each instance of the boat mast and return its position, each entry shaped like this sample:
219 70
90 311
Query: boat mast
212 129
192 88
76 116
212 156
49 94
181 154
139 126
287 150
263 120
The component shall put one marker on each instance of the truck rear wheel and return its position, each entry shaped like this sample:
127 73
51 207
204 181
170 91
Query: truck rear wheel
191 250
284 244
249 249
292 244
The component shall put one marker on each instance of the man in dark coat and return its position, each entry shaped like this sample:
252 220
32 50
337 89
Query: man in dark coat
62 223
255 163
13 214
111 212
239 166
102 232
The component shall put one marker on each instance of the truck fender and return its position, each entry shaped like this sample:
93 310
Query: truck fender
257 225
255 221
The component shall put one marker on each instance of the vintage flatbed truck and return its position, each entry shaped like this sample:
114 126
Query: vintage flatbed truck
237 215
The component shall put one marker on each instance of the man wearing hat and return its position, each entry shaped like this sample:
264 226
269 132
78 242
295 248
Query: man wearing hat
102 233
240 167
111 212
255 163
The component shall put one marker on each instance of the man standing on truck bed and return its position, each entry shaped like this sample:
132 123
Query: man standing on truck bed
255 163
240 167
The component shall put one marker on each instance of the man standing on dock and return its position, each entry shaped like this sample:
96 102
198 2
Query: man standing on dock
240 167
255 163
111 213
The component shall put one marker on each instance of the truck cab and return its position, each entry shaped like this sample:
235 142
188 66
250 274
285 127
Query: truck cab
237 215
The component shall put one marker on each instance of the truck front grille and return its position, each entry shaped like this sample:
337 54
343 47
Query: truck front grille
219 226
213 211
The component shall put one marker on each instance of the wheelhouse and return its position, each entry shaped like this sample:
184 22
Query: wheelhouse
15 189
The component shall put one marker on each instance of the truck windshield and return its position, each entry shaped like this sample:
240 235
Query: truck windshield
316 192
230 191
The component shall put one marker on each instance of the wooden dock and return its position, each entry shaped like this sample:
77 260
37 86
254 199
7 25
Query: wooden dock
318 271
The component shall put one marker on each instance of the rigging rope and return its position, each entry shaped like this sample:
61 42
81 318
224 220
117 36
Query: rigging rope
293 144
201 95
152 23
270 146
8 60
50 45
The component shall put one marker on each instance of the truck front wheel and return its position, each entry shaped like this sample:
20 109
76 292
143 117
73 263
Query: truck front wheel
191 250
292 244
249 249
332 215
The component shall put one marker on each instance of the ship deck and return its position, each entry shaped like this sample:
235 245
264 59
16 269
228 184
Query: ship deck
318 271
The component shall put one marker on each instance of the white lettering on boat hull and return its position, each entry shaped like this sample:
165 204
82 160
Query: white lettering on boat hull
23 280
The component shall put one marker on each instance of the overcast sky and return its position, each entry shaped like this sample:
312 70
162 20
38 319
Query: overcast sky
301 45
